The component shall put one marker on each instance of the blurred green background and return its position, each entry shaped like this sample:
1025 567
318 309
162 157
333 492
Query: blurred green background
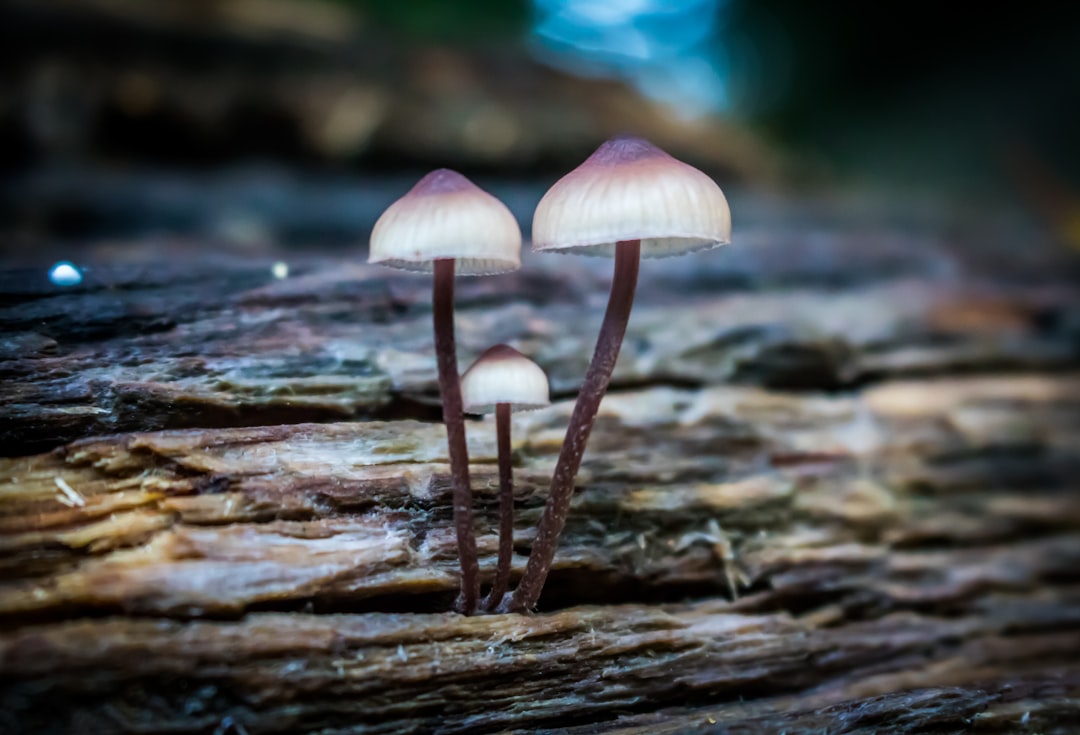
298 120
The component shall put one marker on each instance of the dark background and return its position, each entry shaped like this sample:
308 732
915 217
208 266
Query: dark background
297 122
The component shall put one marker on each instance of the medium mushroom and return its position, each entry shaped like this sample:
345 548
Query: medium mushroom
445 224
629 200
500 381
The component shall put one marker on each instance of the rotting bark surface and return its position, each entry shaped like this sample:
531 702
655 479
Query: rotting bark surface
833 489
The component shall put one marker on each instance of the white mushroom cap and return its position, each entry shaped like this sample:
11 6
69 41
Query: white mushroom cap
504 375
631 190
447 216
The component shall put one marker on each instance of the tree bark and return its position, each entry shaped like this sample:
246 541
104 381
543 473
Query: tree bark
830 488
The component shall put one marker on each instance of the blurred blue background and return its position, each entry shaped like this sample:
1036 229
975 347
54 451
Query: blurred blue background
297 121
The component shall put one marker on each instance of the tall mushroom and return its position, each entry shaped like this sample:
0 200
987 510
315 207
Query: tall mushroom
631 200
500 381
444 223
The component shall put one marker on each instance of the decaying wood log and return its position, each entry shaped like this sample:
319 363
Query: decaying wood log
218 341
712 488
833 489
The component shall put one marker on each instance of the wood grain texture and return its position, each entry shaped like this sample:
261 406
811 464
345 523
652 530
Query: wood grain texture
833 488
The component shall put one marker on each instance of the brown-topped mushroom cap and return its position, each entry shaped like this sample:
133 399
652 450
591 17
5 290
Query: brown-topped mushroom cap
504 375
629 189
446 216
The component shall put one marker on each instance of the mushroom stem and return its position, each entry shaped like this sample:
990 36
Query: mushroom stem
506 507
623 285
450 391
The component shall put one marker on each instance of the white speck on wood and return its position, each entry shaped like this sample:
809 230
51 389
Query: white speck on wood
73 497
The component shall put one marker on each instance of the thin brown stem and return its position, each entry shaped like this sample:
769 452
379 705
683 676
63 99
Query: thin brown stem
450 390
623 285
506 507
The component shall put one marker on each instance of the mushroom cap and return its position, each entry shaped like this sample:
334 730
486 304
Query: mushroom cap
446 216
629 189
504 375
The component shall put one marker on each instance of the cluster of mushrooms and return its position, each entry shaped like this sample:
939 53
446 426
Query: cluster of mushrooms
628 200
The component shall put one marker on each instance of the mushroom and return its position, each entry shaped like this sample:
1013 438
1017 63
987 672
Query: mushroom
444 223
500 381
631 200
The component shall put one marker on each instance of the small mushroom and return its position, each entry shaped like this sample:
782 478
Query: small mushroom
500 381
444 223
631 200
